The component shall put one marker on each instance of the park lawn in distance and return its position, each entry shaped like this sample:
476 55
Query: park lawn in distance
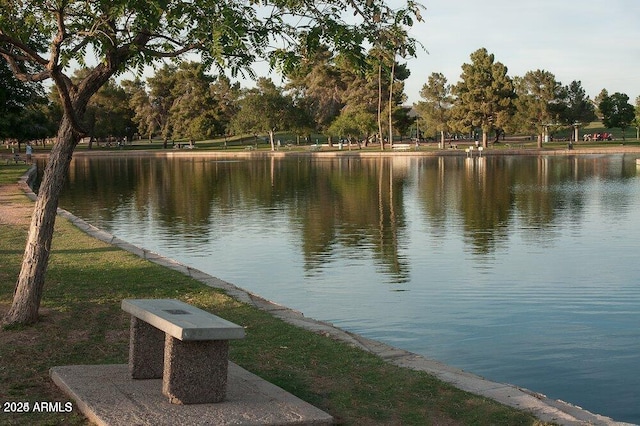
82 323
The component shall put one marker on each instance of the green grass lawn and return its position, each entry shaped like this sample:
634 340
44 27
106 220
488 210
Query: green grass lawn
82 323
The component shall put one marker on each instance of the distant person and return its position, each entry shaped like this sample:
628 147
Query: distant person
29 152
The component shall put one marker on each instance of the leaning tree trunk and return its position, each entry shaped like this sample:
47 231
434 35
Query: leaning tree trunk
30 284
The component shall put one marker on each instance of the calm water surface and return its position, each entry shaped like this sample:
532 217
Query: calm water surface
522 270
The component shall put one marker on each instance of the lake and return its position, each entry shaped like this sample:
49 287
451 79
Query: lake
520 269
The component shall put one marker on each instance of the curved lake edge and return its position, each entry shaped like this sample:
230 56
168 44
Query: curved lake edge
544 408
248 154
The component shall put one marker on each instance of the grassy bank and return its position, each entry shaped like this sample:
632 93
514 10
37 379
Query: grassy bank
82 323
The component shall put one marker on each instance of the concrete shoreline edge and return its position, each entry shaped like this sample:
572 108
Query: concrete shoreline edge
542 407
205 153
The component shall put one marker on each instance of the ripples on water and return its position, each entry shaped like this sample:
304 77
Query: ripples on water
529 278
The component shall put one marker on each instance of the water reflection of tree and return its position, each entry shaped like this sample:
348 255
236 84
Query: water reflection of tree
347 207
350 206
468 193
355 204
491 197
105 182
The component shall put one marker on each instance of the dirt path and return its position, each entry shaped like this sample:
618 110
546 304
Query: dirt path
15 207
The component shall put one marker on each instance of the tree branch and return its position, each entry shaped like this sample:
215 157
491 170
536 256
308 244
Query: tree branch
29 54
13 62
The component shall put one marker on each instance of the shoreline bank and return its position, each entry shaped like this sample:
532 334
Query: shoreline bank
367 153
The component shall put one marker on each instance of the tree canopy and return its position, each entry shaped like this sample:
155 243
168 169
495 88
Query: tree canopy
617 111
540 102
435 110
23 109
484 95
580 109
184 102
265 109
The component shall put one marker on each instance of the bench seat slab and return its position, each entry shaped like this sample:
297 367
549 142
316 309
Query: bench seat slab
181 320
195 372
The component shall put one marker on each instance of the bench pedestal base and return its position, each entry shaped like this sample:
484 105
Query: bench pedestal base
192 372
146 350
195 372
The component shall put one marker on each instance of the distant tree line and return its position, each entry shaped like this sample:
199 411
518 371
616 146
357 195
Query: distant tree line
25 113
488 101
326 94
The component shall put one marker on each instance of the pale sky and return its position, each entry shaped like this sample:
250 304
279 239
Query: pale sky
594 41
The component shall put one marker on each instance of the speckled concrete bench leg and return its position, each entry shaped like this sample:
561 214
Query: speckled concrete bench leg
195 372
146 350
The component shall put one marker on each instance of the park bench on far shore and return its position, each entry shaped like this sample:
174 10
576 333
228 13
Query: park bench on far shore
185 346
401 146
15 158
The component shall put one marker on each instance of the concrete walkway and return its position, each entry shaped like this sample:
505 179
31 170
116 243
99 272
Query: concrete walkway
539 405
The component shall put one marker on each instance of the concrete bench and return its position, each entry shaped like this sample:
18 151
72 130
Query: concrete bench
15 158
401 147
185 346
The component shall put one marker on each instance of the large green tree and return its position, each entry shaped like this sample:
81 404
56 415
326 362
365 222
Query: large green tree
540 104
580 109
192 111
109 115
318 88
228 34
225 97
328 86
189 103
598 99
366 90
265 109
435 109
145 116
361 88
483 96
354 126
617 111
161 96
